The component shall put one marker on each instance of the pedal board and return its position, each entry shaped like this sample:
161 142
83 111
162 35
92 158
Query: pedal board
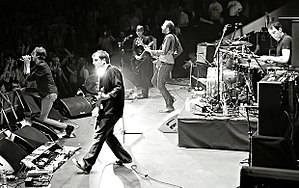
39 179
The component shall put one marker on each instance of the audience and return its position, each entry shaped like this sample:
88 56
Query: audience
60 25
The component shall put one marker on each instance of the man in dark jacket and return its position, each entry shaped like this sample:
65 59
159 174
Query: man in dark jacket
110 100
41 73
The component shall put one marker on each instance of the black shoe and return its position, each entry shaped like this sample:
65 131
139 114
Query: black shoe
81 166
121 162
68 130
142 96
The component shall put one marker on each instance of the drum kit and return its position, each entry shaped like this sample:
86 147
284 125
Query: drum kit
239 71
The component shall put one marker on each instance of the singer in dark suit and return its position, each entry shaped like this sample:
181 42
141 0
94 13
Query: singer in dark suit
110 101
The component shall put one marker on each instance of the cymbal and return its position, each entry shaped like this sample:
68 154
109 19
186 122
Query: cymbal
240 42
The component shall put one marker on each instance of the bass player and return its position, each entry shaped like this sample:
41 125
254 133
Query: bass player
141 61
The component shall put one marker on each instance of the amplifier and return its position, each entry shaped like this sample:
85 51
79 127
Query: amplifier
205 52
254 177
277 102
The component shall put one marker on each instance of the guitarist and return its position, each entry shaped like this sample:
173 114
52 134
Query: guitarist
109 82
171 48
141 61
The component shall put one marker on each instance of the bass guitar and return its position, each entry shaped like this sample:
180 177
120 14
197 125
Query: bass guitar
138 60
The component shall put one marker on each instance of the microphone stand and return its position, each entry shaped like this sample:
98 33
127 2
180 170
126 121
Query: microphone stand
250 133
216 55
122 51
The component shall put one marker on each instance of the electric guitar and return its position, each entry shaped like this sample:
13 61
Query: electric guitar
137 59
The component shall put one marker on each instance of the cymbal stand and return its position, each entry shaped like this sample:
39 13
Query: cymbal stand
216 55
248 83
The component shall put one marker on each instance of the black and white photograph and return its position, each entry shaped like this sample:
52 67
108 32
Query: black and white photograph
149 94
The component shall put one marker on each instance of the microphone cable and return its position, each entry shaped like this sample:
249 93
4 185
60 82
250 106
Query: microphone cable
146 176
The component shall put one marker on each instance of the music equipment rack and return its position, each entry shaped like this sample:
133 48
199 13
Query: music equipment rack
44 161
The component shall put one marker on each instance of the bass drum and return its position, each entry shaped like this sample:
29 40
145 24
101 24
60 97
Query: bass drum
229 77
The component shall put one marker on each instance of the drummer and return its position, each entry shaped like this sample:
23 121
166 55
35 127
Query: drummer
283 49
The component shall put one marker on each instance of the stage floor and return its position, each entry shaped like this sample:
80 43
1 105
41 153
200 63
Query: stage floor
154 153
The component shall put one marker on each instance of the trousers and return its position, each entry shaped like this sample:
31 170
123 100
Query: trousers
104 132
161 75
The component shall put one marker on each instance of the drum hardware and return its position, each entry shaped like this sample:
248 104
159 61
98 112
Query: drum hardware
217 57
235 80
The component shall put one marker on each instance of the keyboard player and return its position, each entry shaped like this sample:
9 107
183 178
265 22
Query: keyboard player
284 46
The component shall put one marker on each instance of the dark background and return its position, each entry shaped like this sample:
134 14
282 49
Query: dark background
77 25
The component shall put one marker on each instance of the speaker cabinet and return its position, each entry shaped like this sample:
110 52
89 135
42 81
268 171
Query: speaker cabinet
258 177
169 124
11 155
75 106
205 52
263 39
30 104
273 107
46 130
273 152
33 136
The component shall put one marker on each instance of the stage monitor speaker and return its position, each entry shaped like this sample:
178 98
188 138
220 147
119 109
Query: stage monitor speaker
30 104
273 108
11 155
169 123
273 152
75 106
259 177
46 130
33 136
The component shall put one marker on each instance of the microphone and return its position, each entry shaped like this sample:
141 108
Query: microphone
130 36
22 58
127 38
228 25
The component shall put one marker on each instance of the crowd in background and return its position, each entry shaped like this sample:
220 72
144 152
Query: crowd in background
71 31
